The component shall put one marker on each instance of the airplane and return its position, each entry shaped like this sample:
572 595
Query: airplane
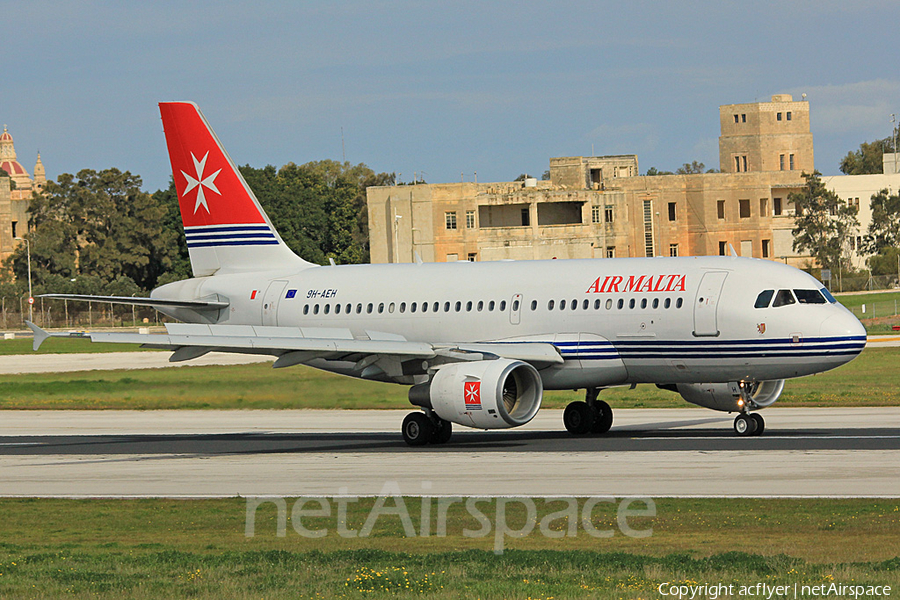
479 342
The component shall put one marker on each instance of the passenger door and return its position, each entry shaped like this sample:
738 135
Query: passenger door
707 302
271 300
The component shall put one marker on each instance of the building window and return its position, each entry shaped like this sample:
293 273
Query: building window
14 225
470 219
526 217
776 207
671 211
595 214
792 162
673 249
778 117
722 248
788 116
781 162
720 209
765 248
608 214
452 257
450 220
743 118
745 208
744 163
737 164
472 257
736 118
610 252
763 207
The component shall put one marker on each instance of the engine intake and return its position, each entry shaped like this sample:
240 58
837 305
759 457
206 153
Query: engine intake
487 394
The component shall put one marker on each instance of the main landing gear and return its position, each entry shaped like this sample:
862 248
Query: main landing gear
588 416
747 424
420 428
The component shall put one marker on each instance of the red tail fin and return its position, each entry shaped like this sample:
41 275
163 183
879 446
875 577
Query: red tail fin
227 230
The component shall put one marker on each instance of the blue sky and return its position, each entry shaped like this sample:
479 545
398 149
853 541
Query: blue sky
437 87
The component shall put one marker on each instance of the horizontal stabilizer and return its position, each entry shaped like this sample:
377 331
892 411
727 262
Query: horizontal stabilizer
134 301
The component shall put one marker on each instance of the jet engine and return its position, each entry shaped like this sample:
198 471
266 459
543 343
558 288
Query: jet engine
733 396
485 394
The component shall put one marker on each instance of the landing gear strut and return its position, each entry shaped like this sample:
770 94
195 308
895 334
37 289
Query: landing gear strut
747 424
589 416
420 428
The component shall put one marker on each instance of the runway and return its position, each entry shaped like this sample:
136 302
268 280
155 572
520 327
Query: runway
845 452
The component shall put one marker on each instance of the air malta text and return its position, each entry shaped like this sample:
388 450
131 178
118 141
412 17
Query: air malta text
637 283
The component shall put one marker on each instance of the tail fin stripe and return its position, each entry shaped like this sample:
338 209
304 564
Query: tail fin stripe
224 243
226 228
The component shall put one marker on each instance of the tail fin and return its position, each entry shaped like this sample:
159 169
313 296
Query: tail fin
227 230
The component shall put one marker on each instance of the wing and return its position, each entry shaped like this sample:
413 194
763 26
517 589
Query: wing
131 300
366 354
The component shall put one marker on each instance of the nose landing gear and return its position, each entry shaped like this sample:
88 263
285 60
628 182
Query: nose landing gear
747 424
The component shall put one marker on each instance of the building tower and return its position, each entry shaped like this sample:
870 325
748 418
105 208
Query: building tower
766 136
8 162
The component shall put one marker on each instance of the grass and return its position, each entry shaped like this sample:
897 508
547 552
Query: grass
64 346
870 380
197 549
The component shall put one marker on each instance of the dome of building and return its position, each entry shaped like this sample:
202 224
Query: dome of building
9 163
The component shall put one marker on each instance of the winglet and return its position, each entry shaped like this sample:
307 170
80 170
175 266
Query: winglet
39 335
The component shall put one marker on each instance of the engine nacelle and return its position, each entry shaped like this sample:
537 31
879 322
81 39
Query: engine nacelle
727 396
486 394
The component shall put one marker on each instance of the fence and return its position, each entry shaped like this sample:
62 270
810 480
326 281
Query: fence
65 314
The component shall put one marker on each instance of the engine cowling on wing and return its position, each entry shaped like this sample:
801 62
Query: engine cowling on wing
487 394
727 396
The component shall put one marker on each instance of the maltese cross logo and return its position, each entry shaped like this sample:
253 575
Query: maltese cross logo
472 393
199 182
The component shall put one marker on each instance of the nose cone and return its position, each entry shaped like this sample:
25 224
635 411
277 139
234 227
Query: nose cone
846 331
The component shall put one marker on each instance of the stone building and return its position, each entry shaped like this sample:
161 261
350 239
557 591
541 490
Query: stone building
15 192
599 207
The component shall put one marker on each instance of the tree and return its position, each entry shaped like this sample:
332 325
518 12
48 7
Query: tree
691 168
885 262
868 159
822 222
884 229
545 176
653 171
99 224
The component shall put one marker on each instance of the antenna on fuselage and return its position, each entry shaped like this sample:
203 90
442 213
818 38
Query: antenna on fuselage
733 253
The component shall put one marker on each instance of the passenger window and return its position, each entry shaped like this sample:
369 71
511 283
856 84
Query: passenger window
828 296
533 305
358 308
458 306
380 307
436 307
424 307
316 309
678 303
446 307
667 303
809 297
655 303
403 307
597 304
337 309
631 303
550 305
608 303
783 298
502 305
515 305
369 308
765 296
469 306
306 309
349 309
327 308
413 307
643 303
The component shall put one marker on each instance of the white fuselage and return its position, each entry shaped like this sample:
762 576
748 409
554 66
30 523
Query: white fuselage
615 321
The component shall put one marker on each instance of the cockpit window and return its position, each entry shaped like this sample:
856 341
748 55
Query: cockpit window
809 297
765 296
828 296
783 298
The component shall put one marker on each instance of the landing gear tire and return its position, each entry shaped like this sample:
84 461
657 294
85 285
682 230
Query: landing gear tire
603 417
760 423
418 429
442 432
578 418
745 425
